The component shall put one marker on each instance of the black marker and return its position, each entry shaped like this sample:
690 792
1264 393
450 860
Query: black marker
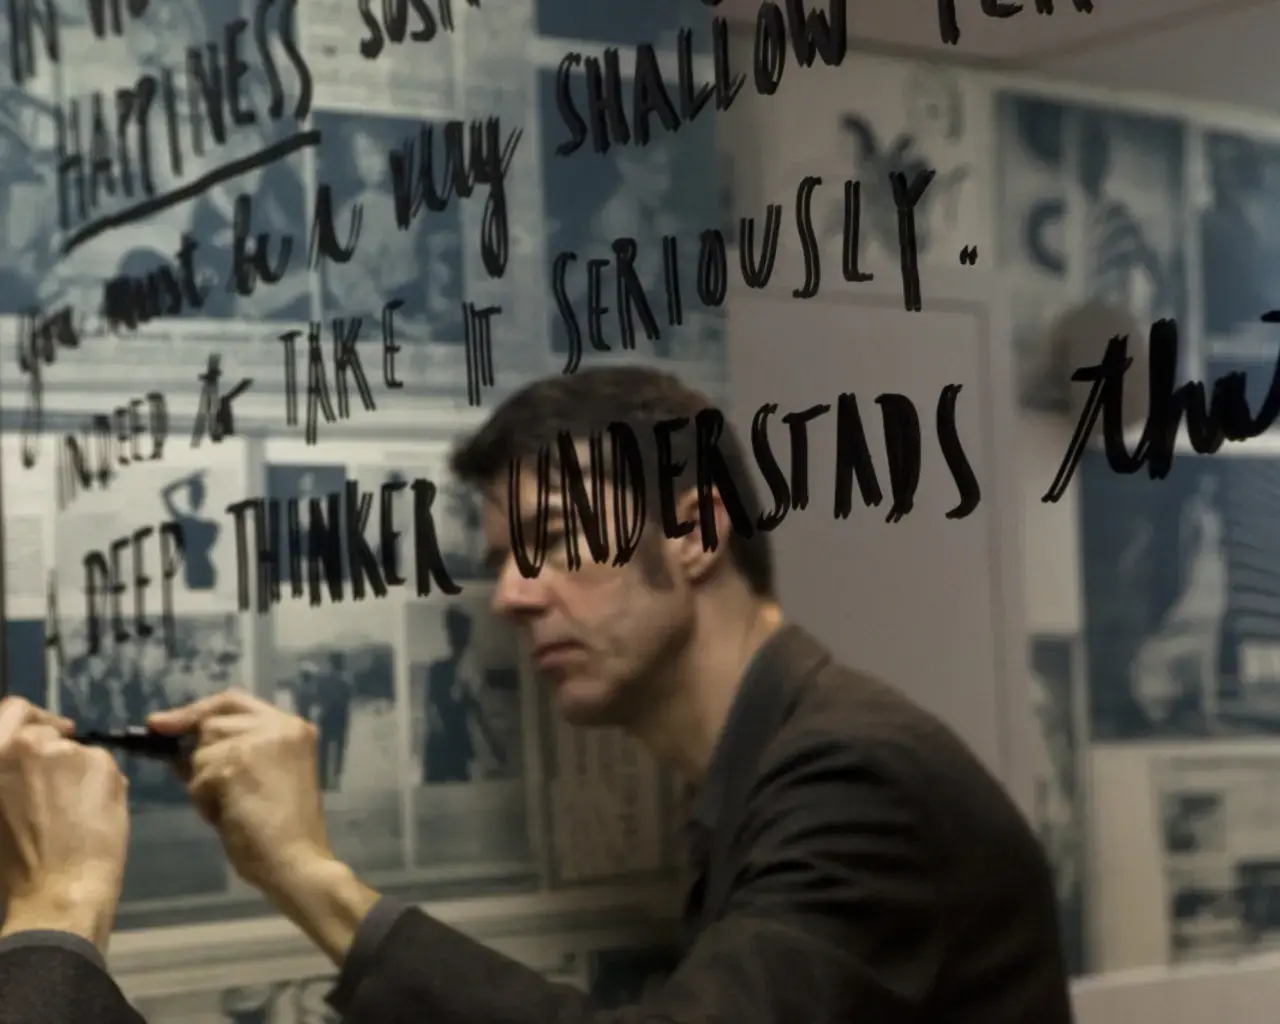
141 741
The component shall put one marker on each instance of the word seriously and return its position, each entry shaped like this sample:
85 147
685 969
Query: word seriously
633 302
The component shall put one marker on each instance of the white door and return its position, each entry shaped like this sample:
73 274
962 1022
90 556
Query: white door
929 604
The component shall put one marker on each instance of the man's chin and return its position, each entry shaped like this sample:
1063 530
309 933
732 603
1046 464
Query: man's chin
582 702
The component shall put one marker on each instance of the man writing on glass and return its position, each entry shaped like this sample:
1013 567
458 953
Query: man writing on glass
851 860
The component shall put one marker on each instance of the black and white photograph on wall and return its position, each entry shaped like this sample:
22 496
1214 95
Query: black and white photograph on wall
305 482
669 187
335 666
623 976
28 660
405 254
1239 242
190 488
281 1002
922 128
173 855
1240 256
1060 755
456 513
1090 207
334 35
1182 603
467 735
1221 849
28 228
264 201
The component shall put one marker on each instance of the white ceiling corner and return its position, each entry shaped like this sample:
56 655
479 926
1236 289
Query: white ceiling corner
1227 58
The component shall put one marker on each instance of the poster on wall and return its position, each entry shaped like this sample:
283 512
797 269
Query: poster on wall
1239 255
176 639
1220 843
273 231
594 201
28 559
1090 208
469 712
1182 603
610 806
1059 788
877 116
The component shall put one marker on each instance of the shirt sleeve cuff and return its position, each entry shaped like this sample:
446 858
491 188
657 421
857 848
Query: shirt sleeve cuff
373 929
63 940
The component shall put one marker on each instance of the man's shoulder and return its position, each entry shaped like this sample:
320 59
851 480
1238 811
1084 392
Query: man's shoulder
840 707
870 730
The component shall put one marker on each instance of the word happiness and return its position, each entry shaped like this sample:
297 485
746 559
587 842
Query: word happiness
106 146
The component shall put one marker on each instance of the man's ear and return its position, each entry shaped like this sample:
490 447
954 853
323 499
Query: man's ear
699 552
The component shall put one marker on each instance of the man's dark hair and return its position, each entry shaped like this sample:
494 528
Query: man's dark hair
584 404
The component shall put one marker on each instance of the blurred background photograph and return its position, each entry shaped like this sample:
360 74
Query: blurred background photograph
343 682
176 864
466 697
1059 811
281 1002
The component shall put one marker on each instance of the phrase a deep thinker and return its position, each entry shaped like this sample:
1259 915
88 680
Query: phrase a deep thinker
344 546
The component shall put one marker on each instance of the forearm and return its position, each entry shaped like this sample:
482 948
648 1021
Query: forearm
327 902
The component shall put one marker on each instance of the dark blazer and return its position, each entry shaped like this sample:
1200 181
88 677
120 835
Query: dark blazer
853 863
50 978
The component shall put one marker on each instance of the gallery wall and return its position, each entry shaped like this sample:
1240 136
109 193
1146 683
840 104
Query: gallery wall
1151 605
1149 602
130 273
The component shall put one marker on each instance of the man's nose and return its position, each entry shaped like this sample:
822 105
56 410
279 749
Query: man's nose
515 594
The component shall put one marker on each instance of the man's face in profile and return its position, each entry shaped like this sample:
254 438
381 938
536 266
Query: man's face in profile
601 633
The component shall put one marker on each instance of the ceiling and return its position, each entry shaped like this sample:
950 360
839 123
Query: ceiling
1220 51
1223 53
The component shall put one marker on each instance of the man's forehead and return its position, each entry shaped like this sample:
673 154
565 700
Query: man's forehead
498 494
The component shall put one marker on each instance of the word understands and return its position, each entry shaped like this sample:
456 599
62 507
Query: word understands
104 147
712 276
584 500
607 121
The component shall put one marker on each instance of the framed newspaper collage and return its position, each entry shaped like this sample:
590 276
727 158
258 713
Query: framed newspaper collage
249 298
